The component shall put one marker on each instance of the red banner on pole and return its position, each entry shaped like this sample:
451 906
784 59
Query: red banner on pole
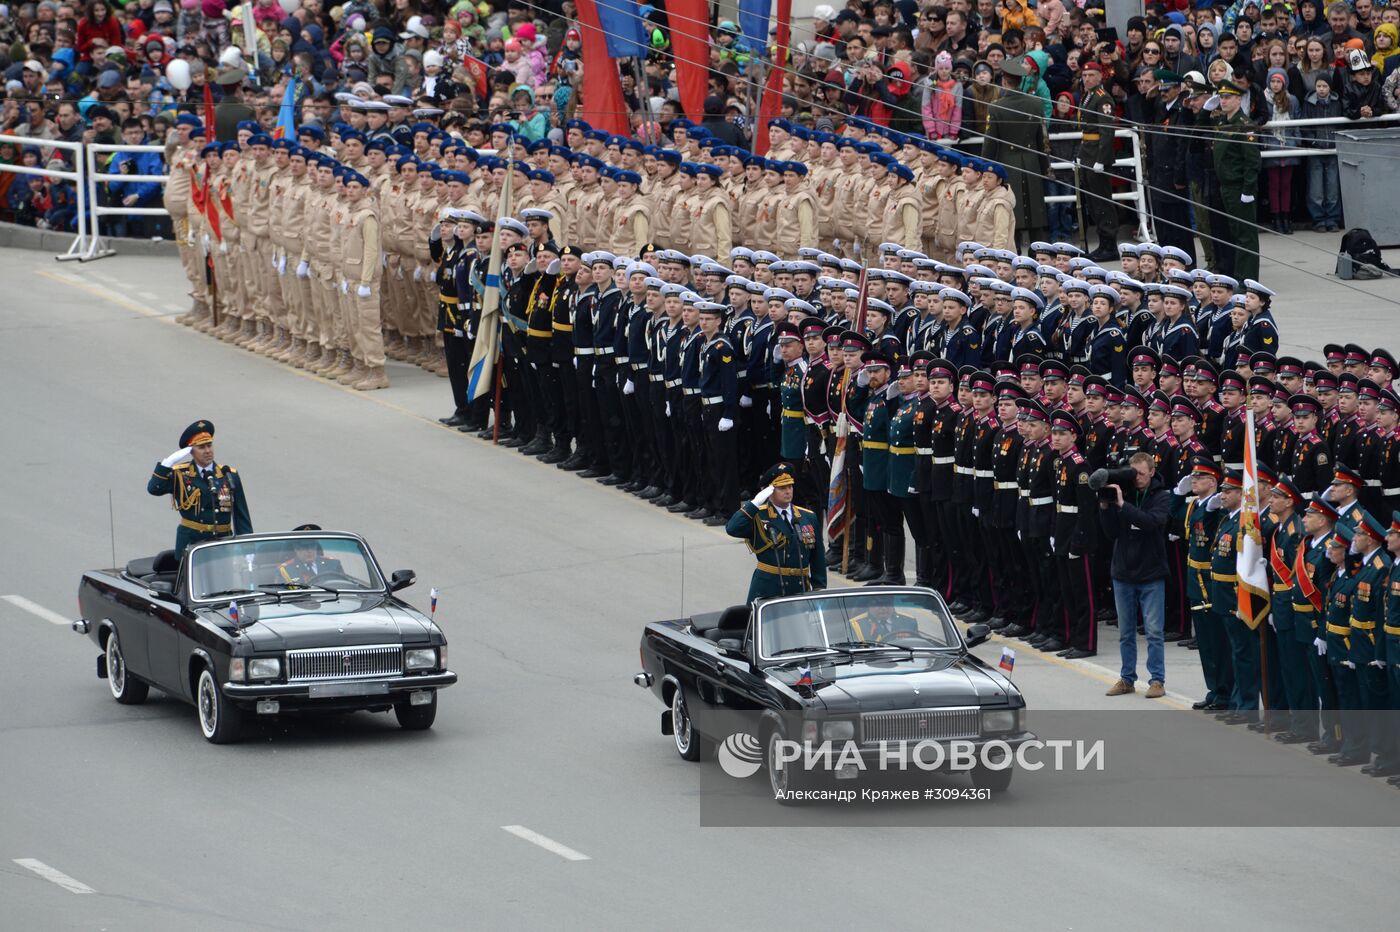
771 104
690 44
602 104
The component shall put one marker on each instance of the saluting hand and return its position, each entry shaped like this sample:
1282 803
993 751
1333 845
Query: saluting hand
179 456
763 496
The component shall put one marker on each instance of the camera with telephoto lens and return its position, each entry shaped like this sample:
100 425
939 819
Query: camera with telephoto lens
1125 477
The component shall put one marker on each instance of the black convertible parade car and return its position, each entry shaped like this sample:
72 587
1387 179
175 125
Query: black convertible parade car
266 624
871 667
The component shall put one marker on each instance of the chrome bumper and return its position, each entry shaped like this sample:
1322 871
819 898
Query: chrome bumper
285 691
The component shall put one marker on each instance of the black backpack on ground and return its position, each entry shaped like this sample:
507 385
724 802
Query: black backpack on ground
1360 257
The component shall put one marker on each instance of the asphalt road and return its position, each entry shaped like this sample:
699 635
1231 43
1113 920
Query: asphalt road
545 582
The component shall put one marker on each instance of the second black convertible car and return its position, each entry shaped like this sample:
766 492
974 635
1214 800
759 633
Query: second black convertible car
873 666
266 624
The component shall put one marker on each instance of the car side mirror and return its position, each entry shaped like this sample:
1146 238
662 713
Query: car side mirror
402 579
161 589
731 647
976 634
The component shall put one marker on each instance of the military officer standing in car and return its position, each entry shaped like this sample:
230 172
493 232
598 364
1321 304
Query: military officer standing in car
784 538
208 495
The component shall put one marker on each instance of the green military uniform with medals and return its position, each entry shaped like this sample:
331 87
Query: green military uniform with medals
1224 596
1096 122
792 433
1236 154
1368 613
211 501
1284 540
1200 525
1341 589
790 553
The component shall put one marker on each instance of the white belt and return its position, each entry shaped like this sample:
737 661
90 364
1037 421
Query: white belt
1003 486
690 391
982 473
943 461
1047 500
714 400
622 360
583 351
960 470
1390 491
925 451
603 350
673 383
1373 483
1068 509
1025 493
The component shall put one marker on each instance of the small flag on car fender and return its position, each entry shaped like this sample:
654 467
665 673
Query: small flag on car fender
432 601
1008 659
233 612
804 676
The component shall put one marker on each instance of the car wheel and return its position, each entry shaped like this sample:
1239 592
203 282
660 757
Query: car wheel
416 717
984 778
784 779
688 743
126 688
220 721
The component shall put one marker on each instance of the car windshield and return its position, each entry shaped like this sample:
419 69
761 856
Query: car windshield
855 622
226 570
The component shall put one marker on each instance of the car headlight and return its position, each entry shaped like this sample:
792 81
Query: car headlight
264 668
999 720
236 668
839 730
442 657
420 658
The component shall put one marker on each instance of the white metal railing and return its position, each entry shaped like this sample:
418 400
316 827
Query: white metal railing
1137 196
1318 121
80 240
97 247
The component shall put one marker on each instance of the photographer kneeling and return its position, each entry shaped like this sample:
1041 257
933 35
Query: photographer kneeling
1137 526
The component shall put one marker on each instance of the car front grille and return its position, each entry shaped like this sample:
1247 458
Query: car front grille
341 663
920 725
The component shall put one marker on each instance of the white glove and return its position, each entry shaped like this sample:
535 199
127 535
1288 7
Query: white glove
668 404
1378 664
207 242
384 260
977 512
179 456
1098 166
303 269
1173 537
274 263
1246 198
344 286
1020 536
763 495
777 354
1213 503
435 233
398 272
223 248
1052 544
1349 664
417 273
745 401
863 378
1074 556
189 237
1326 494
1273 626
628 388
1321 646
362 291
1183 485
282 264
725 424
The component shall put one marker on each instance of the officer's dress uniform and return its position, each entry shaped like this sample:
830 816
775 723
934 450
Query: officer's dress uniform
788 548
211 500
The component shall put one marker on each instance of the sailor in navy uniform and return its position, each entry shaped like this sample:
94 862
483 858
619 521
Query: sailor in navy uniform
1260 332
1026 338
1178 337
208 495
1107 345
1213 319
962 343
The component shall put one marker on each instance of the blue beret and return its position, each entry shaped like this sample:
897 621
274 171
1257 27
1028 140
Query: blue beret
285 144
633 178
250 125
375 145
348 134
540 174
260 139
669 155
188 119
797 167
212 149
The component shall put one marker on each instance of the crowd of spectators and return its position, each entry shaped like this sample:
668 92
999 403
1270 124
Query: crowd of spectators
97 72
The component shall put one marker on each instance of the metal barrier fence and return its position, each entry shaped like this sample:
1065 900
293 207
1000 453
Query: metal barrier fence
88 242
97 247
75 149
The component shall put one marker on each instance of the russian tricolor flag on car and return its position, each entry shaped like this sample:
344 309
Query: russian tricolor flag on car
432 601
1008 659
233 612
804 676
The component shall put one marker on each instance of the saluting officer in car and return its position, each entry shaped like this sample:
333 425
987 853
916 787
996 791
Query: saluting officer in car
209 496
785 539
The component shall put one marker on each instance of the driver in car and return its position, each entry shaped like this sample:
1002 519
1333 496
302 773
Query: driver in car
307 562
881 622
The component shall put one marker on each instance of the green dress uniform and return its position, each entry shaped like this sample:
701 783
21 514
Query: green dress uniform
1310 569
902 463
791 556
792 434
211 501
1368 613
1224 596
1388 650
1237 161
1340 591
1298 689
1213 646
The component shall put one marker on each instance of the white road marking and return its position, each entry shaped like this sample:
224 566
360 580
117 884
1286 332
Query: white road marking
34 608
53 875
548 844
149 295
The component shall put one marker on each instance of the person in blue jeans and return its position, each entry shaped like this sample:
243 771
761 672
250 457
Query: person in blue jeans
1135 522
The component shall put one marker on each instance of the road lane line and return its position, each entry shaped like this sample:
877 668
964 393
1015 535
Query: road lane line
54 876
34 608
548 844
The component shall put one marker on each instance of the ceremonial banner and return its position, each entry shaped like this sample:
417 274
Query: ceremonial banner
772 100
690 45
488 336
1250 563
602 103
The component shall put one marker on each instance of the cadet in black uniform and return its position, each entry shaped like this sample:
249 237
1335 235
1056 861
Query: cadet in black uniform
719 400
450 249
1076 512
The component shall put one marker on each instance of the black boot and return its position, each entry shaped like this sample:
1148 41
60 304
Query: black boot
923 567
894 561
873 567
1287 225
